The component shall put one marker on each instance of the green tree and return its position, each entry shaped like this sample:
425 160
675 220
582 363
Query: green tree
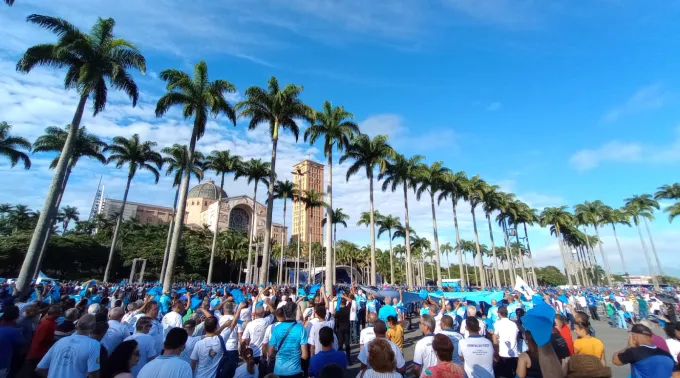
454 187
255 171
337 128
558 218
199 98
368 154
283 190
636 210
591 213
550 275
402 171
474 195
222 162
68 214
388 224
613 217
647 203
493 199
673 211
670 192
278 108
446 249
88 59
10 145
137 155
338 217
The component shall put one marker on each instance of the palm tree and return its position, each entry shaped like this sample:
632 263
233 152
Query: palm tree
68 214
446 249
646 203
673 211
419 245
635 211
86 145
388 224
222 162
337 217
591 213
368 154
88 60
402 171
474 194
256 171
492 202
311 199
613 217
430 179
513 211
279 108
671 192
18 217
336 126
176 159
283 190
454 187
558 217
525 214
199 98
9 146
466 246
137 155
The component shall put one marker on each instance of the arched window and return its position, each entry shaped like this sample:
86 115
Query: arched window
239 220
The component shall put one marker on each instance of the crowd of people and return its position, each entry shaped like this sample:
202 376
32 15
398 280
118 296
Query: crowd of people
245 331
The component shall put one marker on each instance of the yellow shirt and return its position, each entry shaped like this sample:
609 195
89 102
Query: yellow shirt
396 335
589 345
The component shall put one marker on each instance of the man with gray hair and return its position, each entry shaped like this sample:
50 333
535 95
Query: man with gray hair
74 356
117 331
472 312
94 309
424 355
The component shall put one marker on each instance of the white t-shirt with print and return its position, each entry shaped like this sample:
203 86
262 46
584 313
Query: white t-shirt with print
506 330
424 355
230 338
171 320
313 338
255 331
72 356
208 353
398 356
367 334
477 352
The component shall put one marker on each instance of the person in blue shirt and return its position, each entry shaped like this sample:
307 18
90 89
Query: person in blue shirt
327 355
361 301
164 304
288 345
10 337
386 311
645 359
371 305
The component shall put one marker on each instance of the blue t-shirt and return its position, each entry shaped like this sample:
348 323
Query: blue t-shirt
360 298
648 361
591 301
326 357
288 357
10 339
371 306
386 311
164 304
72 356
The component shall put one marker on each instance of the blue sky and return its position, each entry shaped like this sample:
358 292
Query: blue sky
555 103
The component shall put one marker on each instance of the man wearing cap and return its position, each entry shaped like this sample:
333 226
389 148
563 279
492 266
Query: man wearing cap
645 359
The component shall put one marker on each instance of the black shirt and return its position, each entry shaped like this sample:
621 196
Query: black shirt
560 345
342 317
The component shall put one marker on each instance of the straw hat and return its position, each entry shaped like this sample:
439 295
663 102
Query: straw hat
587 366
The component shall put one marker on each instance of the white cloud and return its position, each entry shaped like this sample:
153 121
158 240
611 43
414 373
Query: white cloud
494 106
394 126
650 97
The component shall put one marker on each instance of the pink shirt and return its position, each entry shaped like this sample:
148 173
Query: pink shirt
659 342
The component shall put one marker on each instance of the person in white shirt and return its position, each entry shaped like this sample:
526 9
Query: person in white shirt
117 331
476 351
145 343
380 329
75 356
173 319
367 334
170 364
472 312
230 332
253 334
505 336
423 354
313 339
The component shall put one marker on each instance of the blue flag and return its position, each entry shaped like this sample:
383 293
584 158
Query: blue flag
313 290
195 302
423 294
238 296
539 321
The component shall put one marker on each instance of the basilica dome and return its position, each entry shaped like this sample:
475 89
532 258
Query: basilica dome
207 190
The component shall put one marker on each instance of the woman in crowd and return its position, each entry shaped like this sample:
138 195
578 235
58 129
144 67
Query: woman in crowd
122 360
587 344
528 365
249 369
443 347
381 360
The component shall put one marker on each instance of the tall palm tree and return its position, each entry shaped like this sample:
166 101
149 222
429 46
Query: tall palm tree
368 154
673 211
591 213
68 214
283 190
671 192
137 155
558 217
88 60
279 108
175 160
199 98
648 204
311 199
388 224
492 202
614 217
336 126
474 195
402 171
255 171
338 217
18 217
466 246
454 187
431 179
527 215
513 211
419 245
634 211
222 162
10 145
86 145
446 249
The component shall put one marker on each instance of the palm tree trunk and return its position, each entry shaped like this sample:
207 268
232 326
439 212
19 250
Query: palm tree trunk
448 263
264 272
44 224
407 243
531 256
508 255
474 269
649 261
282 243
623 261
240 269
564 255
335 252
391 260
605 260
179 216
651 242
495 259
520 256
373 277
436 242
330 268
253 235
590 251
480 261
297 264
464 280
310 262
169 238
217 231
505 276
119 220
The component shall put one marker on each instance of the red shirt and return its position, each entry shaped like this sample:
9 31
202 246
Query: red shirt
566 334
43 339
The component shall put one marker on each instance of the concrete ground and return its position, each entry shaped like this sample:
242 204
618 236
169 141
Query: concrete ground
614 340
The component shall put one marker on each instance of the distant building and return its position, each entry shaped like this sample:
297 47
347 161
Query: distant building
639 280
307 175
147 214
